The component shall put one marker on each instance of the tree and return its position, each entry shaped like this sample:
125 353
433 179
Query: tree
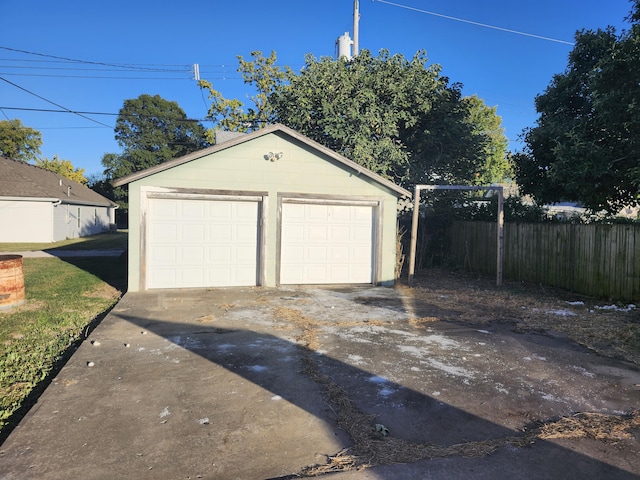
261 72
585 146
485 121
18 141
64 168
398 117
150 130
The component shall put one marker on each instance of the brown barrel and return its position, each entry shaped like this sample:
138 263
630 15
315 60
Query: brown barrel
11 281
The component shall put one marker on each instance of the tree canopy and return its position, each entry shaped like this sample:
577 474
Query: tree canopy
261 72
151 130
63 167
18 141
585 145
400 118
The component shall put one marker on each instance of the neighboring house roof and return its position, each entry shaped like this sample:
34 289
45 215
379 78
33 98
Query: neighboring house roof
22 180
259 133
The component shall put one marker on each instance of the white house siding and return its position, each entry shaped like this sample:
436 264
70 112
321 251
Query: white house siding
26 221
74 221
300 171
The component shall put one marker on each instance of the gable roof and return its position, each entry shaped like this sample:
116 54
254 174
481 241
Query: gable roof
349 164
22 180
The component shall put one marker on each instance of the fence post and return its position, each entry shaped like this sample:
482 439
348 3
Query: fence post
414 234
500 246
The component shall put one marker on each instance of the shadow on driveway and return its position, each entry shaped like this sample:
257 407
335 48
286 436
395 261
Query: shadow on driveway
258 383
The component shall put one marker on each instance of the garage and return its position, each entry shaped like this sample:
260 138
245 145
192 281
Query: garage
326 243
262 209
196 243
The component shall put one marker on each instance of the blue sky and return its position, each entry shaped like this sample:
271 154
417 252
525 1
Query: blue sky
160 41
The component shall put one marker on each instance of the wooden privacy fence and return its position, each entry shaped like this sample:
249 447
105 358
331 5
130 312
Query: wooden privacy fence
598 260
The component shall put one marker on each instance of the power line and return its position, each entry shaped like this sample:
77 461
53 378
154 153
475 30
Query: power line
75 60
485 25
93 69
107 77
50 110
53 103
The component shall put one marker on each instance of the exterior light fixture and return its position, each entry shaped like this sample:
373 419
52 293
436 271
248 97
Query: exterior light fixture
272 157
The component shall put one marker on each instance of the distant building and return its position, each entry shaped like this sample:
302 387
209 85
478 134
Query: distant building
37 205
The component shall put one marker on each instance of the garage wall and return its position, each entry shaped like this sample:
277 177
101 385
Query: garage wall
246 168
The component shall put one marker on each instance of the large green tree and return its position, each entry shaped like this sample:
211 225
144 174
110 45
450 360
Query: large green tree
400 118
150 130
18 141
585 145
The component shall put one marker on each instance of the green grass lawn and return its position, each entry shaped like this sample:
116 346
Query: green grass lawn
103 241
64 299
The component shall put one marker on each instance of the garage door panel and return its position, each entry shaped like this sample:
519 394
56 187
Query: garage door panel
193 255
192 210
323 244
316 254
191 277
223 233
317 232
245 275
194 232
339 254
361 257
340 234
202 243
165 210
245 231
244 255
245 211
165 277
164 232
163 255
293 255
221 255
316 213
293 232
360 234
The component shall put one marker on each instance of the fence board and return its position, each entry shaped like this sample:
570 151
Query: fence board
599 260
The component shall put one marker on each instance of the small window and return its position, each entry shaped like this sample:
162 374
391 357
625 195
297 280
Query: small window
78 217
95 216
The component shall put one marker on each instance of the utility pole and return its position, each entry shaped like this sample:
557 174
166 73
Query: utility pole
356 21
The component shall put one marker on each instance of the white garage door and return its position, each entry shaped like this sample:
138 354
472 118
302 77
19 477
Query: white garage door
322 244
201 243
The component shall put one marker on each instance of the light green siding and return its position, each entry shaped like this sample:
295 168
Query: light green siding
243 168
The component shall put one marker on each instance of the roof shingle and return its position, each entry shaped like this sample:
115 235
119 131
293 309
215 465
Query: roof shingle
20 179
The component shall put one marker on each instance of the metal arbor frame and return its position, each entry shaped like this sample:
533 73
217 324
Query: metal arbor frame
416 217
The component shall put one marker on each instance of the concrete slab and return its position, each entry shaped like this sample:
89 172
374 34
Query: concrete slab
263 383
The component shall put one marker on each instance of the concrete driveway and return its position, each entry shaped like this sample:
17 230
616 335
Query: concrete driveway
355 382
